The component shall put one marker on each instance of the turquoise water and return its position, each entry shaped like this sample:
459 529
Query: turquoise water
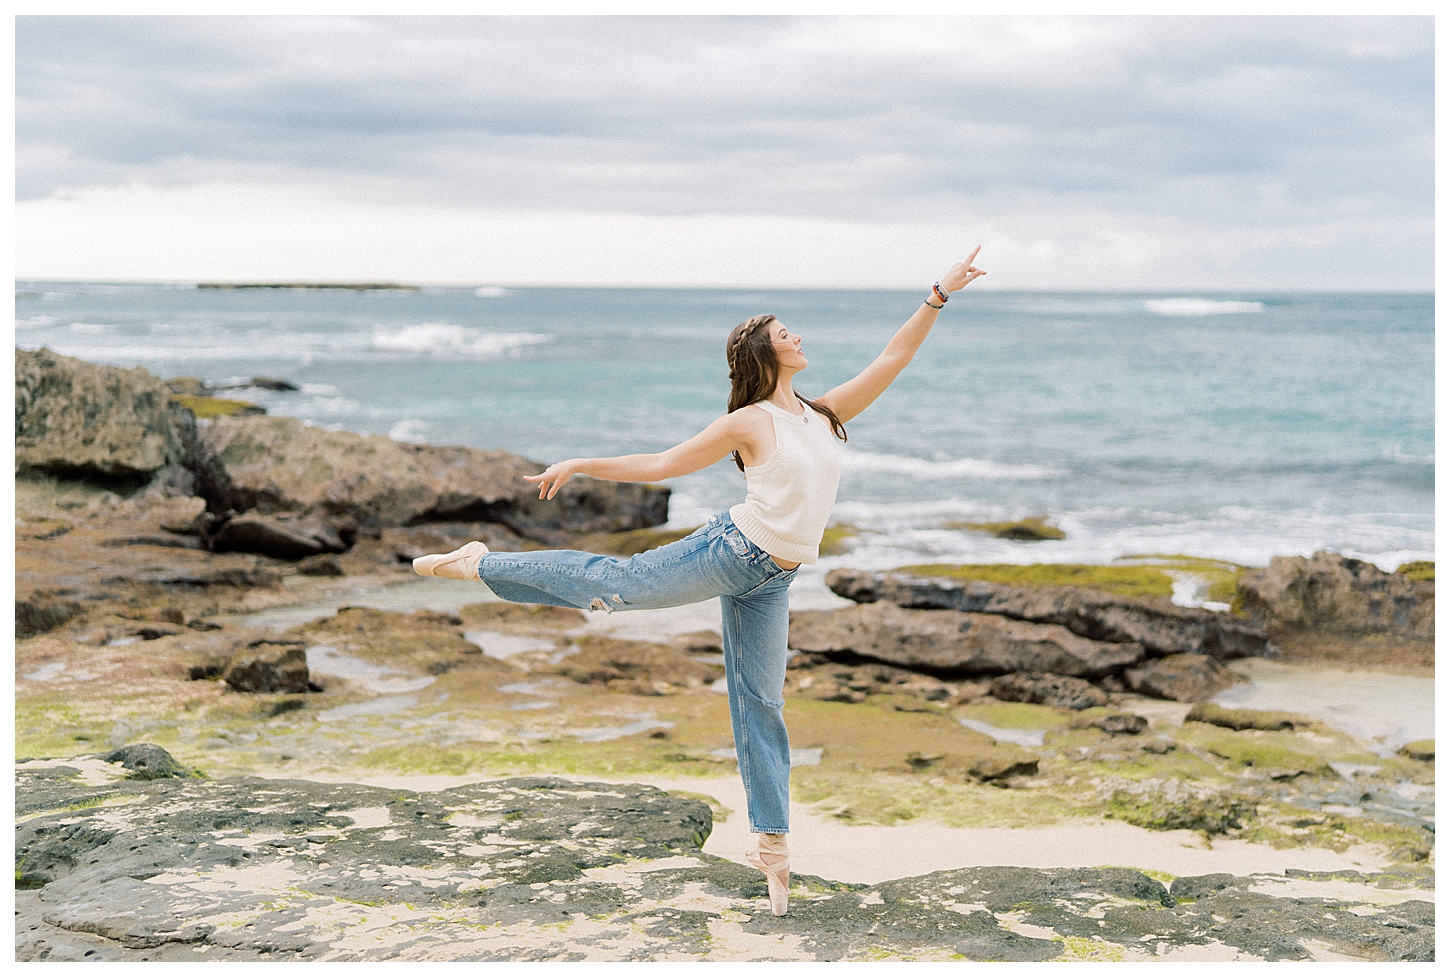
1235 426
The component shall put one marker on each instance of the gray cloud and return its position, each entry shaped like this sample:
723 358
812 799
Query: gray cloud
1269 120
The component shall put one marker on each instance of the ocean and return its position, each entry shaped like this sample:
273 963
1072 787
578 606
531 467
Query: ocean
1232 426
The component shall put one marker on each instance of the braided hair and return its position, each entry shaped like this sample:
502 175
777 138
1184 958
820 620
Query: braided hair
755 370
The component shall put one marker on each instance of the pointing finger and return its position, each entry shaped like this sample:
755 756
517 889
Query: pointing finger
973 256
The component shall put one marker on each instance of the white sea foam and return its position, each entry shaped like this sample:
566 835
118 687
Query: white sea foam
91 328
490 292
1397 454
151 355
409 430
1195 307
449 339
36 322
328 407
895 534
866 461
319 390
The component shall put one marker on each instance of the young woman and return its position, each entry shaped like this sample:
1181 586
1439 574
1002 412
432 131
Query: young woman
786 446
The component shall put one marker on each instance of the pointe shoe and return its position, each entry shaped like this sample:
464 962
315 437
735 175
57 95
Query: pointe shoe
777 878
461 564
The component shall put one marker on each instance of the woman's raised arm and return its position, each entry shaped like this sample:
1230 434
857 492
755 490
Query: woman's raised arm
861 391
724 435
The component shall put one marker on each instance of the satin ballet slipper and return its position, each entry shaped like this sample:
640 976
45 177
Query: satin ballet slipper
777 878
461 564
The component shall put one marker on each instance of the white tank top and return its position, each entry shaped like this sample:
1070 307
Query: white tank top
788 499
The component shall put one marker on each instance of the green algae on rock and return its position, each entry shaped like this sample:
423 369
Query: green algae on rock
206 408
837 537
1123 581
1216 715
1029 530
1418 570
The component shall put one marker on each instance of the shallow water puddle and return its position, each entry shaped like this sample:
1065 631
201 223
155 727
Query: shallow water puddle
495 644
1022 737
1390 709
381 706
46 672
602 733
327 660
809 757
428 593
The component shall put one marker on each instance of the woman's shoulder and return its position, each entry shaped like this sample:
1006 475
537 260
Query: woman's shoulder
751 414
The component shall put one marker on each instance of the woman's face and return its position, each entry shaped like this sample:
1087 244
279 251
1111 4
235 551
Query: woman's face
787 348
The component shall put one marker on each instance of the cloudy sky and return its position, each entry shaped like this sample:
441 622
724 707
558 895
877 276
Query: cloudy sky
1221 153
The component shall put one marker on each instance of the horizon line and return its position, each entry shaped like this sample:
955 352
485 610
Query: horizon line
343 283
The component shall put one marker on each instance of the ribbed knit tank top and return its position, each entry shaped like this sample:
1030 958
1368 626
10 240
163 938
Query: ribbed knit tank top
788 499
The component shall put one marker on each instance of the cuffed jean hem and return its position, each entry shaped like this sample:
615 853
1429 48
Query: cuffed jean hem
714 561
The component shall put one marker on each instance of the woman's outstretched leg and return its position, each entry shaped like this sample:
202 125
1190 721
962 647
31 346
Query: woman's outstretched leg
713 560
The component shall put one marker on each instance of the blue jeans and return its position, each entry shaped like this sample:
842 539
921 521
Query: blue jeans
715 560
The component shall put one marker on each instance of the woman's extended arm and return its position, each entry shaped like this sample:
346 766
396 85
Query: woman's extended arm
723 436
859 392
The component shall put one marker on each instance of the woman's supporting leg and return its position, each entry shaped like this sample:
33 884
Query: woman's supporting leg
772 857
756 627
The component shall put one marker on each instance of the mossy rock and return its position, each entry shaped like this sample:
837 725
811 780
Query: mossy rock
1123 581
1241 719
837 537
206 408
528 617
1030 530
1418 570
1222 576
631 541
1278 762
1419 750
1171 804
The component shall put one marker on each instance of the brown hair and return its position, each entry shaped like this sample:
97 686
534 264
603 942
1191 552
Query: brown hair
755 370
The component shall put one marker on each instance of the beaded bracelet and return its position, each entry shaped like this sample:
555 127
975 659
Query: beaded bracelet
930 306
936 287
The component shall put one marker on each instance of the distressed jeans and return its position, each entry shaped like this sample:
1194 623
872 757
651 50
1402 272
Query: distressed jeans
715 560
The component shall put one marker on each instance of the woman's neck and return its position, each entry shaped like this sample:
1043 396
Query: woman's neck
785 396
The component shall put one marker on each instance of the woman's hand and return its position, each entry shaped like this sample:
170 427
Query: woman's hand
962 274
554 477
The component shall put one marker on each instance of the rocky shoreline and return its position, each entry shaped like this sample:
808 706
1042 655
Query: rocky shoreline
176 868
153 541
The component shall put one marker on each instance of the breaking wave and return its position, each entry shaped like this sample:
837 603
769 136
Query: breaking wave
446 338
1195 307
866 461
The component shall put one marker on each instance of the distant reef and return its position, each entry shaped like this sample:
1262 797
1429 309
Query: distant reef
346 286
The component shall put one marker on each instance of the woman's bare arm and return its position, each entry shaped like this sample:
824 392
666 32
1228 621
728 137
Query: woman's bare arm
856 394
724 435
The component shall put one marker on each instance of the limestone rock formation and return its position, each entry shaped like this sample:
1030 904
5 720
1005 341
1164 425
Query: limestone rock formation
265 668
537 868
1334 593
74 418
284 537
1048 690
146 761
1159 626
1241 719
956 642
280 465
1182 678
